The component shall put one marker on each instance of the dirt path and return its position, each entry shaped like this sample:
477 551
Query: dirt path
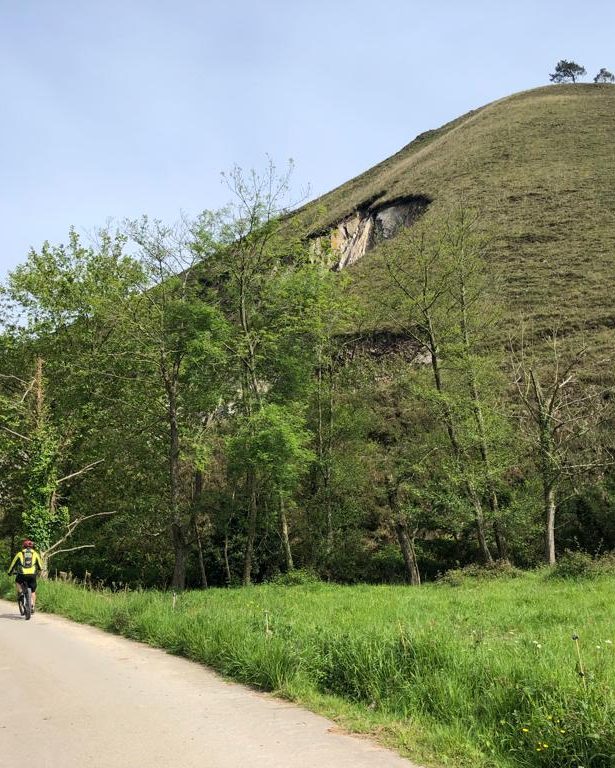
87 699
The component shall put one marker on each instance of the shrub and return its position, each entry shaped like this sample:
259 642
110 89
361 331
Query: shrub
499 569
296 578
575 565
606 563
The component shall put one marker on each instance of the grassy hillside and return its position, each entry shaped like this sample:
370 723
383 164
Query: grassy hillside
481 674
540 167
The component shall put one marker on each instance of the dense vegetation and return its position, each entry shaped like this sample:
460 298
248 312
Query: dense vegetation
210 403
474 672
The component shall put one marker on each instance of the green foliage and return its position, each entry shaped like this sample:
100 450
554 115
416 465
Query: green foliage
578 565
287 397
61 284
43 520
567 71
604 76
273 442
499 569
296 578
574 565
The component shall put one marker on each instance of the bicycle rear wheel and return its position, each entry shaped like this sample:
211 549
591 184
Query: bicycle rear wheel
27 603
20 603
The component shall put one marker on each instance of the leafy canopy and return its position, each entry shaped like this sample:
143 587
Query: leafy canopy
567 71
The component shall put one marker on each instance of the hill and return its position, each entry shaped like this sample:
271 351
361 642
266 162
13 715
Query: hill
539 166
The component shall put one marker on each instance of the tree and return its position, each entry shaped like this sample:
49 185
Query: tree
443 298
604 76
567 71
257 273
54 298
273 444
176 339
560 414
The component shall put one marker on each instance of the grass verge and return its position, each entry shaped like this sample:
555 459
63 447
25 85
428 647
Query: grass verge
483 674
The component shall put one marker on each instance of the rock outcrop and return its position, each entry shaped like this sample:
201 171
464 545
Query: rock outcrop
359 232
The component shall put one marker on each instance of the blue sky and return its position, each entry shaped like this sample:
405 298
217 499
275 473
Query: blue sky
117 108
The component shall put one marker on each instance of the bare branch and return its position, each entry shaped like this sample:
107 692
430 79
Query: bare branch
48 555
72 526
15 378
17 434
80 471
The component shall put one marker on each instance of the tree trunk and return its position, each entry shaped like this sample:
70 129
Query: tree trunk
477 410
479 518
288 555
251 533
180 546
324 442
227 567
197 493
480 527
39 392
549 498
406 544
549 472
180 551
199 545
500 541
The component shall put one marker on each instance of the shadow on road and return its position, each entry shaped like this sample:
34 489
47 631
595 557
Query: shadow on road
14 616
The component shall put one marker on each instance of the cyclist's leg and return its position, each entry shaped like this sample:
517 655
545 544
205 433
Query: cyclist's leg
32 583
20 593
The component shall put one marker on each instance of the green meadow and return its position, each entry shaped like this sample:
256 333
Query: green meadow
475 672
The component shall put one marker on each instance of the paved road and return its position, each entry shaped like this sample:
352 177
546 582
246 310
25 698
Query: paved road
86 699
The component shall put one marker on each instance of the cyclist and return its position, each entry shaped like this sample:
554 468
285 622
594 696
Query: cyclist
25 565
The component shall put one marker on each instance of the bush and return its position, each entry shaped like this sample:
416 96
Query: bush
581 565
606 564
296 578
499 569
575 565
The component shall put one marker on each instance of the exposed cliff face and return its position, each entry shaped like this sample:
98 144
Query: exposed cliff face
356 234
381 345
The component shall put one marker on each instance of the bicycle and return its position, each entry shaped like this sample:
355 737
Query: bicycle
25 602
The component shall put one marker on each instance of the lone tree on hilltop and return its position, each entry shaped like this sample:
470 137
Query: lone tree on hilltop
567 71
604 76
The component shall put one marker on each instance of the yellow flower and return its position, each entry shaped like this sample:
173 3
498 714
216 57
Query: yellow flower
525 730
546 746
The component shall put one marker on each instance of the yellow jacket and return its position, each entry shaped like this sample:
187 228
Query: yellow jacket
18 566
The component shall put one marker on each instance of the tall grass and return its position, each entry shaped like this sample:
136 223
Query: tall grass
483 674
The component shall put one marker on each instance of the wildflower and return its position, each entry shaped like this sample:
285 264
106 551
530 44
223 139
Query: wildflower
545 746
609 642
549 717
525 730
561 731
